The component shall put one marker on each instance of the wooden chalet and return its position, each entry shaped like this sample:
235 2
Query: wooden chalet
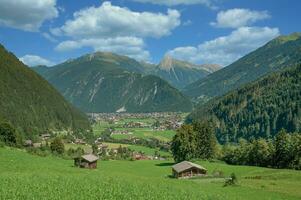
88 161
187 169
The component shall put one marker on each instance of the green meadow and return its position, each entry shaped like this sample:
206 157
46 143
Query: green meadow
26 176
146 133
143 133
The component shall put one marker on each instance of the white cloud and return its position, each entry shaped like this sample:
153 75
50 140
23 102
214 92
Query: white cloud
26 15
34 60
225 50
49 37
130 46
112 21
235 18
208 3
115 29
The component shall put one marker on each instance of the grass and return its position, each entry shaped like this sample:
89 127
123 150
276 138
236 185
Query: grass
137 148
86 148
146 133
25 176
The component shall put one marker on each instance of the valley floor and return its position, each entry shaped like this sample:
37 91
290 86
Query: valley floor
25 176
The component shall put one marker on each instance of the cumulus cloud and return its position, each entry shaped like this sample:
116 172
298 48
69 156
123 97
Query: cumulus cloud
208 3
129 46
27 15
34 60
225 50
115 29
112 21
237 17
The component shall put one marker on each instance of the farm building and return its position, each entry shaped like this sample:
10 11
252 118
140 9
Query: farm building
86 161
187 169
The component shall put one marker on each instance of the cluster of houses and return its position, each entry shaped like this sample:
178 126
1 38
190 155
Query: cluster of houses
42 138
121 132
136 125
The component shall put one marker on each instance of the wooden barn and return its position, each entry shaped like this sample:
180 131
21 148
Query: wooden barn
88 161
187 169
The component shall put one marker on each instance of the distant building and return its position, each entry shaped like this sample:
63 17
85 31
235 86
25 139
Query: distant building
37 145
28 143
79 141
45 136
88 161
187 169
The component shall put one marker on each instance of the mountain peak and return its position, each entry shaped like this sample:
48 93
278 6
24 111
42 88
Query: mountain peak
166 63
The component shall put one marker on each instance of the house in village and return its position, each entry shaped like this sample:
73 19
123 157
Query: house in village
187 169
45 136
28 143
88 161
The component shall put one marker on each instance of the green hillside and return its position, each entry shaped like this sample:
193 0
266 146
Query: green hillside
100 85
279 53
24 176
259 109
30 103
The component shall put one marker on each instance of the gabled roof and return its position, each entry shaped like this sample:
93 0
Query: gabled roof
182 166
90 157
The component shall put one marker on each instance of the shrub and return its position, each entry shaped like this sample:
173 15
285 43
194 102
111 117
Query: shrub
57 146
231 181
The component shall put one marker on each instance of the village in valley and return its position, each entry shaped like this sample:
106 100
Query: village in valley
150 100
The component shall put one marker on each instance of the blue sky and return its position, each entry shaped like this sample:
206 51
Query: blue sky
200 31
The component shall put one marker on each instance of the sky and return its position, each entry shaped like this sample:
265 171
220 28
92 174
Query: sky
48 32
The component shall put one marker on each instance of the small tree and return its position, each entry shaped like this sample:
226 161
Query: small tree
94 149
205 140
8 134
57 146
183 144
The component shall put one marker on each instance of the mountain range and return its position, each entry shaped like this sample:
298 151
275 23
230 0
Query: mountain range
31 104
106 82
181 73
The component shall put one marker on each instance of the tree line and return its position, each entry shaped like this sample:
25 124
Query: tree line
198 141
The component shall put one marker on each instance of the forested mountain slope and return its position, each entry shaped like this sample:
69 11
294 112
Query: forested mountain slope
259 109
30 103
279 53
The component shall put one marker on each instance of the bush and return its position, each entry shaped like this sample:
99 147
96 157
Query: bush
231 181
8 134
57 146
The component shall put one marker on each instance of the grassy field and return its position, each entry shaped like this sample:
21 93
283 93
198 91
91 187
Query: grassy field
86 148
137 148
25 176
143 133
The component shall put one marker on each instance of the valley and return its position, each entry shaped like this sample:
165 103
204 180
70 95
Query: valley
155 100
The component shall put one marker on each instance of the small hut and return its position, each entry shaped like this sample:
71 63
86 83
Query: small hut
187 169
88 161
